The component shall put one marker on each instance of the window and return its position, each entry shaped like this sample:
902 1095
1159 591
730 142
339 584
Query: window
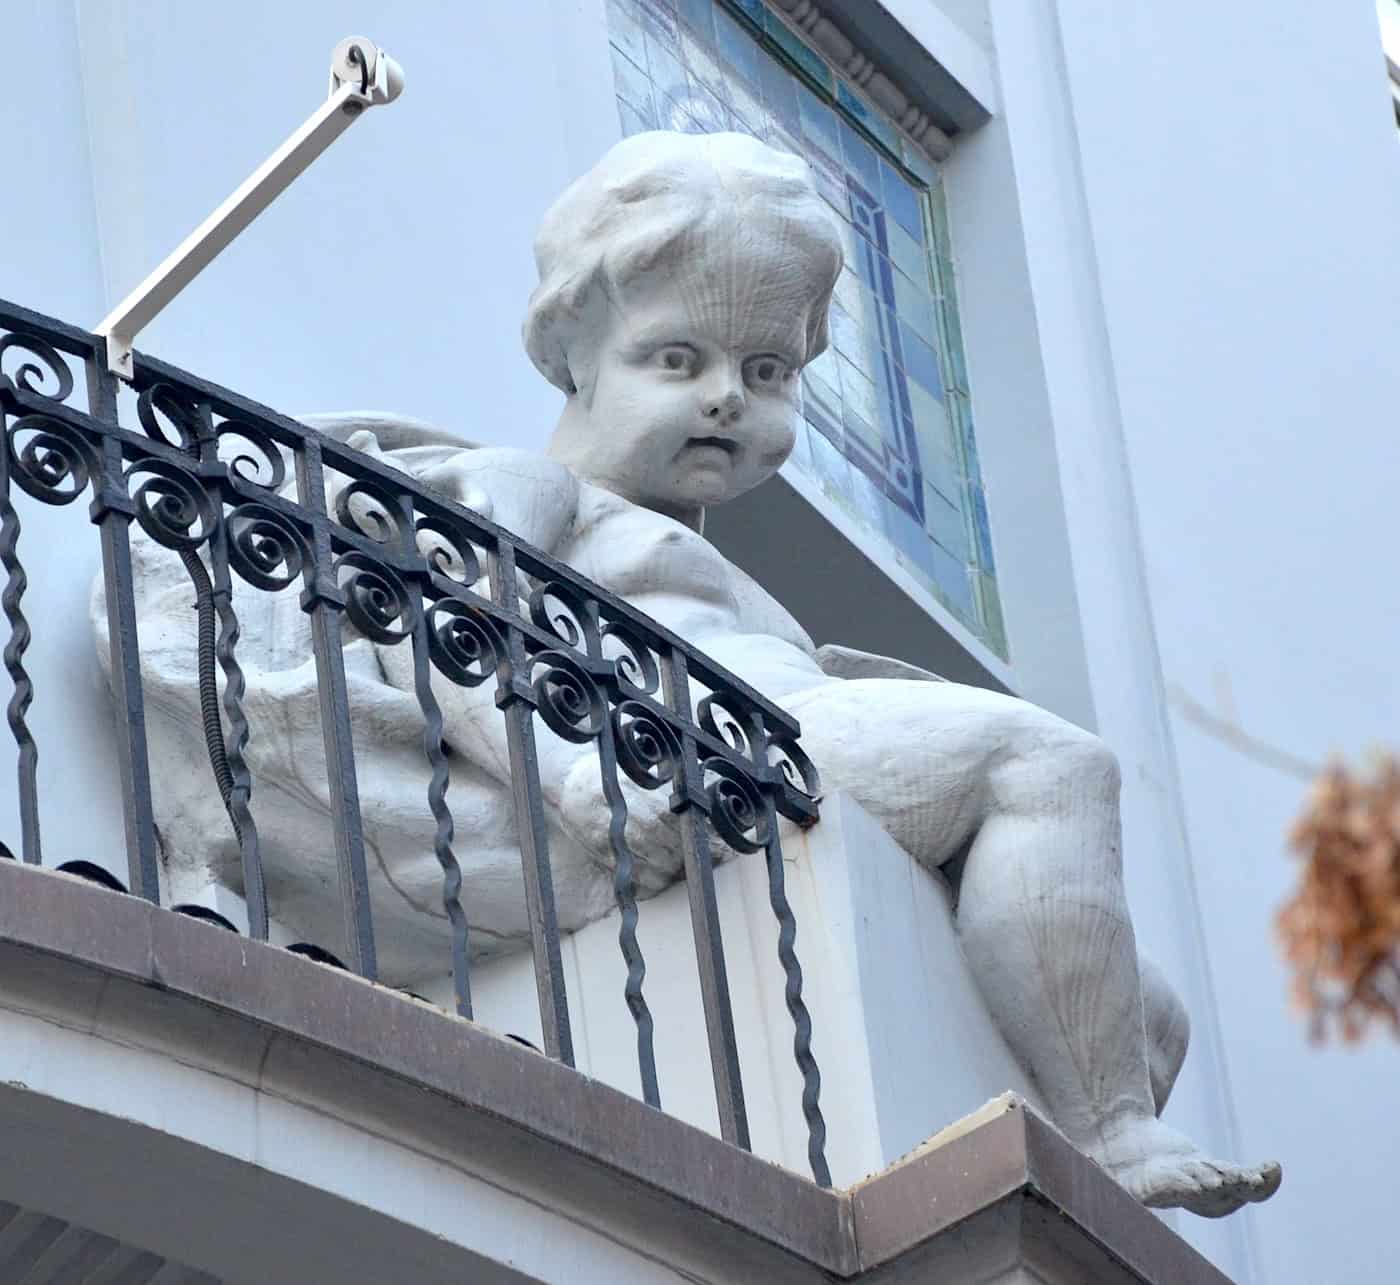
887 426
1389 14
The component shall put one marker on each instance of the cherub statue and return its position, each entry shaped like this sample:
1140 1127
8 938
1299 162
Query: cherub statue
684 283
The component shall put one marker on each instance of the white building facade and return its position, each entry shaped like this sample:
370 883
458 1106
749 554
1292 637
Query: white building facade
1105 422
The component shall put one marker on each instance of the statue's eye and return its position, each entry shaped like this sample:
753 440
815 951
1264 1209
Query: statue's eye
766 373
678 358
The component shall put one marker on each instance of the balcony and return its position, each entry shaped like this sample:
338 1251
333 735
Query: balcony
190 1097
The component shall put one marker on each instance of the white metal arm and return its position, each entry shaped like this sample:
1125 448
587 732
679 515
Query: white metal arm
362 75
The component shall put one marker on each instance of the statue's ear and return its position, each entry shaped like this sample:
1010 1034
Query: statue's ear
391 431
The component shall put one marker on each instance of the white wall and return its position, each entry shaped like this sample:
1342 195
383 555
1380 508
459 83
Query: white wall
1241 173
49 261
1175 261
393 274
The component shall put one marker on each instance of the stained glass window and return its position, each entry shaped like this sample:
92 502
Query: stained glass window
886 428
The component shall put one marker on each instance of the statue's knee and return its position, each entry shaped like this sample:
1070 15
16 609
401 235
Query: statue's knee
1049 754
1089 759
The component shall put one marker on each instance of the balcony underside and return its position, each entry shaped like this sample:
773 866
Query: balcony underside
257 1117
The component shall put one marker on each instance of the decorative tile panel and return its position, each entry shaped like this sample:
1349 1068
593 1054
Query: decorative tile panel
888 424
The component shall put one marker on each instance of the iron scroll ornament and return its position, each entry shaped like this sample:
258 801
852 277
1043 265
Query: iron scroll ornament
241 492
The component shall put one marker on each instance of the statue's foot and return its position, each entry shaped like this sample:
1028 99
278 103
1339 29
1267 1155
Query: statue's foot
1164 1169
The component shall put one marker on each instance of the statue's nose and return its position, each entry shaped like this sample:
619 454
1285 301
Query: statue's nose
724 408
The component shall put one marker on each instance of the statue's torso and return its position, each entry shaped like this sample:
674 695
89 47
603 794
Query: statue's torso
683 582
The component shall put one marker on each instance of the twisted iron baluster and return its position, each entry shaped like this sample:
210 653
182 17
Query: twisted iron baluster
625 894
254 888
18 643
796 1006
433 729
437 802
689 802
515 700
324 603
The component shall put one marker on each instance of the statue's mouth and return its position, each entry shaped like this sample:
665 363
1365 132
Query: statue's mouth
727 445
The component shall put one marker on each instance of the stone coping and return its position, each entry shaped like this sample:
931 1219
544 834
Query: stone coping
270 1018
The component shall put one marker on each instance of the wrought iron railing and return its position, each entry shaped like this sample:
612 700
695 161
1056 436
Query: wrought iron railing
205 474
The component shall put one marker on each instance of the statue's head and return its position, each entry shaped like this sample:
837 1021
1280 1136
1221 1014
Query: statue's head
684 281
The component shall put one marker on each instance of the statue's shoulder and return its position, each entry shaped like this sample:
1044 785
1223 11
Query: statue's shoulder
524 491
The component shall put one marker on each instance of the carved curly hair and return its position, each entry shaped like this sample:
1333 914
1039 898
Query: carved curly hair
652 192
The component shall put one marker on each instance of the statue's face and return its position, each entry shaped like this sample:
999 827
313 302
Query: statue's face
693 389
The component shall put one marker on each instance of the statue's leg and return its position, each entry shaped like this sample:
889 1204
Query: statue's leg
1168 1027
1042 913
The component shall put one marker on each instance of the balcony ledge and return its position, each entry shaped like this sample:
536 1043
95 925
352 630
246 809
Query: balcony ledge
1001 1196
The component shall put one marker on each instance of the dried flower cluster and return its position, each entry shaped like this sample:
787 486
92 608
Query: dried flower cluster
1341 931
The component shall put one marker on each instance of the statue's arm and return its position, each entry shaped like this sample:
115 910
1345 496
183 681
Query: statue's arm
527 493
848 662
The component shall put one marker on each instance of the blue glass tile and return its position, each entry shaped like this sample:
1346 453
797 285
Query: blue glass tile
783 140
915 306
780 94
808 59
874 270
909 537
703 66
633 84
920 360
907 254
667 71
704 107
933 431
892 423
819 123
829 466
989 605
868 498
879 430
633 122
858 392
946 524
941 472
953 343
982 528
625 30
737 47
753 8
821 383
658 20
827 178
950 576
848 290
967 440
917 161
863 220
738 125
902 201
746 102
869 117
801 454
698 15
848 337
861 160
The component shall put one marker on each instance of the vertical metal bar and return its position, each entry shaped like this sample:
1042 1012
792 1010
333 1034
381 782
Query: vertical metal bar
513 696
323 602
704 913
437 785
112 510
254 886
442 815
625 894
15 647
796 1006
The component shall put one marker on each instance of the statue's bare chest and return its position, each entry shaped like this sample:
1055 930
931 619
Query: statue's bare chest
671 572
